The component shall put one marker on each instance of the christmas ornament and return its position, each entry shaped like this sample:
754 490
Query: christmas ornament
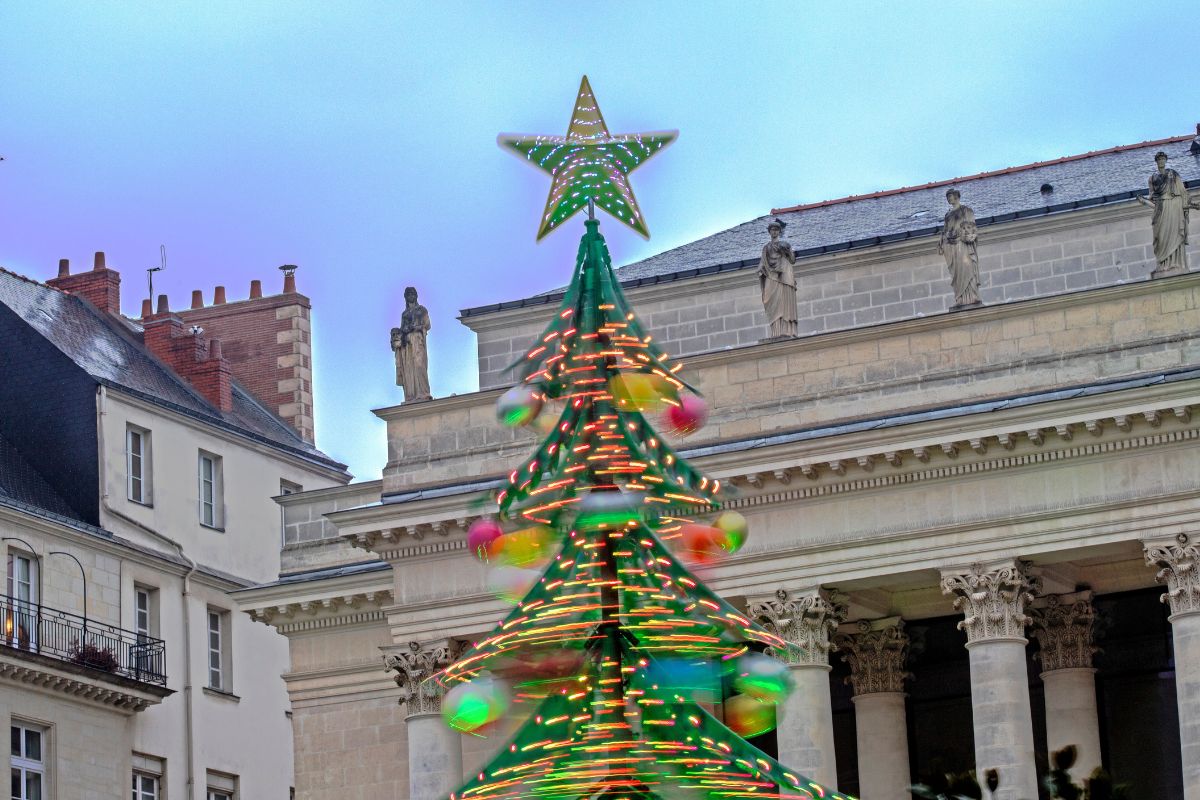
748 717
480 536
607 510
687 415
734 530
523 548
762 678
470 706
638 391
519 406
699 544
589 164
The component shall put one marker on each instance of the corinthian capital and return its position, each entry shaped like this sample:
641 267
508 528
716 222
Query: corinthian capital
1177 568
992 599
415 664
1063 626
876 655
805 620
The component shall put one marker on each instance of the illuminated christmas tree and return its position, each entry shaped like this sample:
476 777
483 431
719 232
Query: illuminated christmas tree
614 644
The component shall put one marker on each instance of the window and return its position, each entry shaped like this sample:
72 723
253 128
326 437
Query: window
211 510
145 787
221 786
28 762
218 650
147 777
146 658
137 464
287 487
21 612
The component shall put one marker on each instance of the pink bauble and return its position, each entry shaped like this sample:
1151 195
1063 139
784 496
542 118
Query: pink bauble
480 536
688 416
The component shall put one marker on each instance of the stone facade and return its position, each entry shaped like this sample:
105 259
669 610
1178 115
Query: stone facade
935 477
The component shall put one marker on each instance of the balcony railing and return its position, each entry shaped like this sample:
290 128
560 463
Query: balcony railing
34 628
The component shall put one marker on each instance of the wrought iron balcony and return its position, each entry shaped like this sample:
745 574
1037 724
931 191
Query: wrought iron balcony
67 637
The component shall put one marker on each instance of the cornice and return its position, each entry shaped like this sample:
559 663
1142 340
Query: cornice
340 601
1020 437
121 695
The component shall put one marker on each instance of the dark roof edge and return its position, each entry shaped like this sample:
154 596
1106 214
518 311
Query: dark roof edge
220 423
808 252
989 174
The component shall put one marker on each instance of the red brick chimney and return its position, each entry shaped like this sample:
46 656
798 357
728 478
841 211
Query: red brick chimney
266 340
195 359
100 286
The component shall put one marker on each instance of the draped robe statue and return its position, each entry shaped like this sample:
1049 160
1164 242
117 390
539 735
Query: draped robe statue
777 280
959 246
408 343
1171 203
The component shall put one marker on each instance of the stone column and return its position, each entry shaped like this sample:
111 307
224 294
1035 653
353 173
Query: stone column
1178 562
876 655
1062 624
992 599
434 749
804 728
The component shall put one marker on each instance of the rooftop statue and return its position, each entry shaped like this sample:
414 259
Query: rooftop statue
959 245
408 343
1170 200
778 282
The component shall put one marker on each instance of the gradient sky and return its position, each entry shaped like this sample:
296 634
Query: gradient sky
358 139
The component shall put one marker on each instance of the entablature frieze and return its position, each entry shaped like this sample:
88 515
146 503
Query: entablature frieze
788 472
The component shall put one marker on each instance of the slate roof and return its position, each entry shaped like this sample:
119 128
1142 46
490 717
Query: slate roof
1079 181
110 351
22 487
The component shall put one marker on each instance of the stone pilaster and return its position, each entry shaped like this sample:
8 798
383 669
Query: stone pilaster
1063 627
876 652
993 599
805 621
434 749
1177 561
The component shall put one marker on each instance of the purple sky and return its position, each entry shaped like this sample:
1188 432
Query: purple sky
358 139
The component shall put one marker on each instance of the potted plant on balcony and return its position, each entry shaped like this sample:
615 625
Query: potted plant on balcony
94 656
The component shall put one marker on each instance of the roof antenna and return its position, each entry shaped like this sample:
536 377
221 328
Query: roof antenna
162 250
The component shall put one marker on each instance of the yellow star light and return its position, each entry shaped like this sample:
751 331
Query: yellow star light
589 164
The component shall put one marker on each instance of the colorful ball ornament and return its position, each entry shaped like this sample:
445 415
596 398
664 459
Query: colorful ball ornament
470 706
524 548
734 530
699 544
748 717
686 416
607 510
762 678
512 583
480 536
519 406
640 391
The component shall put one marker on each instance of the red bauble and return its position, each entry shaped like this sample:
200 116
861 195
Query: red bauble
480 536
688 415
700 544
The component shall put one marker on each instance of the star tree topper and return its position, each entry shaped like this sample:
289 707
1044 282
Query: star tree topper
589 164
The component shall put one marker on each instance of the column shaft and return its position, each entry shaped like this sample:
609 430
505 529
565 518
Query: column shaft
804 728
883 772
1071 717
1185 630
434 757
1002 718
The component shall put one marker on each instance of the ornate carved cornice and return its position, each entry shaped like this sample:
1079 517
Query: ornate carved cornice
1177 568
1063 627
415 665
876 655
122 694
992 600
340 610
806 621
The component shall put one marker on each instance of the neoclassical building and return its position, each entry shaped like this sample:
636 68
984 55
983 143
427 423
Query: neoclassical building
981 525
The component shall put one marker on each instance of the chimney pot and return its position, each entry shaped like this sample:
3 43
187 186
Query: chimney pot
255 289
64 267
163 307
219 296
147 307
197 298
98 263
289 283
